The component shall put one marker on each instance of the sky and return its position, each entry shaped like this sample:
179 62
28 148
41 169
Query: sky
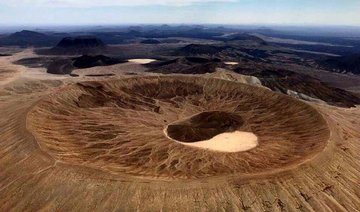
112 12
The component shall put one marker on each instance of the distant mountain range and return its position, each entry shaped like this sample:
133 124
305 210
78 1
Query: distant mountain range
195 41
29 38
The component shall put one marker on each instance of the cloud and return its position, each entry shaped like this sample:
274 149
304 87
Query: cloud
104 3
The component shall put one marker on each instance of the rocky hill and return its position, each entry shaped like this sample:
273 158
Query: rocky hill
77 46
28 38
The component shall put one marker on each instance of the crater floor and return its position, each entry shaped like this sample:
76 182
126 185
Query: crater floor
213 130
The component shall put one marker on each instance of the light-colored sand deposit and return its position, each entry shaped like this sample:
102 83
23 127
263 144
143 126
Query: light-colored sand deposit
142 61
231 63
226 142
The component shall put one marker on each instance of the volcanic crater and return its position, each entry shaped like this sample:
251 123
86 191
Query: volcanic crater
118 126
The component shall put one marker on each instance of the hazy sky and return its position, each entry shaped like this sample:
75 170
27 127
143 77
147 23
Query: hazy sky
76 12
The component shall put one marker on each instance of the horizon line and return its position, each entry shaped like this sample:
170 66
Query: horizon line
176 24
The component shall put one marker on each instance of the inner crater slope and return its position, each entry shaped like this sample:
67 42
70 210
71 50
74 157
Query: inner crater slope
204 126
118 127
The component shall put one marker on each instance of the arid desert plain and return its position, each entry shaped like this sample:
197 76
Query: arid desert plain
142 141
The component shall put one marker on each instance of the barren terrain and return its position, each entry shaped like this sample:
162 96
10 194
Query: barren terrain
98 144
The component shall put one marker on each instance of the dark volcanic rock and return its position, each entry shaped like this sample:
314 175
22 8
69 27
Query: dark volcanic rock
171 40
204 126
76 46
80 42
150 41
349 63
199 49
243 38
281 80
186 65
27 34
66 66
201 60
87 61
36 62
225 52
61 67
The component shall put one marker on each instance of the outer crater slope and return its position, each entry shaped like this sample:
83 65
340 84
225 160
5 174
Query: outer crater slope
118 126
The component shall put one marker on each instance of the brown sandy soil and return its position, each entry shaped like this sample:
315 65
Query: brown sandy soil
8 71
61 149
231 76
22 79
